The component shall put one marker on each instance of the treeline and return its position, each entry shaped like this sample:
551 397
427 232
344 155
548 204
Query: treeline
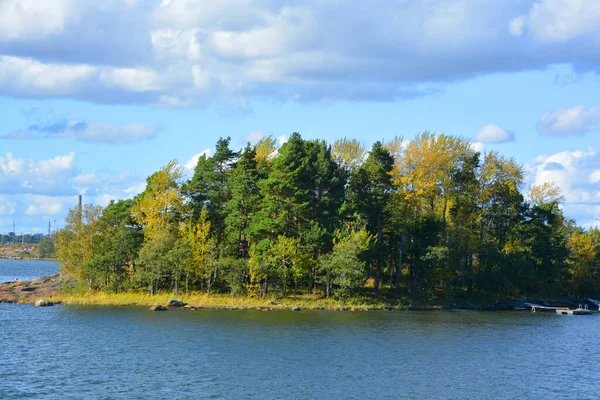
429 218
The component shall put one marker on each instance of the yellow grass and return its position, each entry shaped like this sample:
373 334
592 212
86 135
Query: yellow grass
217 301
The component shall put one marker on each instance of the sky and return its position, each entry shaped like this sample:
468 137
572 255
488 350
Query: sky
96 96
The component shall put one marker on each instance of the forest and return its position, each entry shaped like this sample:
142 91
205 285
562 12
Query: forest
428 218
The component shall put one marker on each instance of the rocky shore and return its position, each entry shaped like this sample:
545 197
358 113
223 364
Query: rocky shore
22 291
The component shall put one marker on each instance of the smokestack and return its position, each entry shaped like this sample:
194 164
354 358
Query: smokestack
80 209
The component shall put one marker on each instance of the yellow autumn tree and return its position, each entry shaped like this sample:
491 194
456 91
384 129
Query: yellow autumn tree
159 206
545 193
75 243
203 250
349 154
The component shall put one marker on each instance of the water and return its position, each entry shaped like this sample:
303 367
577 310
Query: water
68 352
26 269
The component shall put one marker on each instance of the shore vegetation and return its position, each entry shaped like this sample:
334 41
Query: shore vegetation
424 220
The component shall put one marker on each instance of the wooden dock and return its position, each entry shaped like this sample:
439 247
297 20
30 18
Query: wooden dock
560 310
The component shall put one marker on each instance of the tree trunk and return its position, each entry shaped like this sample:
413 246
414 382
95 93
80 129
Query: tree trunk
378 261
470 275
399 265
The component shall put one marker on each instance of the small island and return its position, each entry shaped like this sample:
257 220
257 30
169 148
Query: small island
425 223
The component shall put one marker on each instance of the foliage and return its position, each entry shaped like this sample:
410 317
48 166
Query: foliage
46 248
428 218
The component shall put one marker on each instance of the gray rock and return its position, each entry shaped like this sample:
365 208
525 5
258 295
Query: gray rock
175 303
43 303
158 308
296 309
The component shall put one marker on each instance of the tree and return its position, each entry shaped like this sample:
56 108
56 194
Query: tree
118 244
245 199
370 190
46 248
285 197
159 207
75 244
209 188
266 150
156 260
545 193
203 252
344 269
349 154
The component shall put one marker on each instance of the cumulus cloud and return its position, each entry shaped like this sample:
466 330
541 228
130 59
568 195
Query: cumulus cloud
33 190
184 53
575 172
494 134
32 19
51 176
43 205
559 20
569 121
477 146
190 164
86 132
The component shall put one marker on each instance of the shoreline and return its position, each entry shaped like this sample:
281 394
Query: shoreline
49 288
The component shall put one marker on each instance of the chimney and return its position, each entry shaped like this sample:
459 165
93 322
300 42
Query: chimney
80 209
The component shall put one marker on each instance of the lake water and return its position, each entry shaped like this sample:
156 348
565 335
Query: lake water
67 352
26 269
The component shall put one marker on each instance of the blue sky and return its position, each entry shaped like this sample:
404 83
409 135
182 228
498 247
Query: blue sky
95 96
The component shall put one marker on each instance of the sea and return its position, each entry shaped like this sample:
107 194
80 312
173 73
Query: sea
75 352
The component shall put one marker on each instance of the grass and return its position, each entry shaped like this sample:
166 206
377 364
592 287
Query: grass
223 301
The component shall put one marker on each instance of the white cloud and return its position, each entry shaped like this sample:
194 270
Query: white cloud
595 176
133 79
559 20
477 146
31 190
87 179
185 53
41 205
19 175
572 172
31 78
32 19
281 140
169 43
7 207
494 134
135 189
517 25
190 165
569 121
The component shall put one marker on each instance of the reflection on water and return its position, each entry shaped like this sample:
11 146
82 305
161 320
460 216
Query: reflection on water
93 352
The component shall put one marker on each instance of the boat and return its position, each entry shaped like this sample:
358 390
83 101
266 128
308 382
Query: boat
594 302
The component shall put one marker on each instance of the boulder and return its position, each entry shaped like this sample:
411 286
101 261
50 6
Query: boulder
158 308
175 303
43 303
